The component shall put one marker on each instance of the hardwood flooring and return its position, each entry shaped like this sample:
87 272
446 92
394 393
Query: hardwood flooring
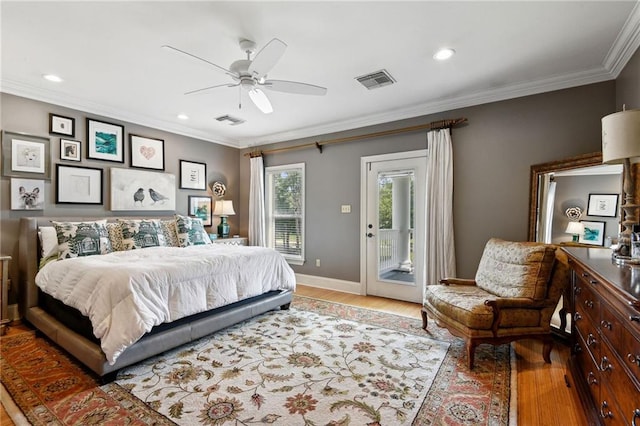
546 394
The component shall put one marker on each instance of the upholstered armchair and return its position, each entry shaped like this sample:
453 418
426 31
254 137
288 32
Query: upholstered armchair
515 292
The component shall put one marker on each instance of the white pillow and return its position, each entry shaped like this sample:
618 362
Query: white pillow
48 241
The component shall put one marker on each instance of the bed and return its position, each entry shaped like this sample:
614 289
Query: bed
70 328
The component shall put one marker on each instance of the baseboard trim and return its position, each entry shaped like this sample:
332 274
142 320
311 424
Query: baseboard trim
329 283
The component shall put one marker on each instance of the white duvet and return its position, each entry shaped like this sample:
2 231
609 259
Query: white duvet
126 293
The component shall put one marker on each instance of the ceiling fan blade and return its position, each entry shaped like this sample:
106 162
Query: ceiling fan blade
260 100
211 87
267 58
218 67
294 87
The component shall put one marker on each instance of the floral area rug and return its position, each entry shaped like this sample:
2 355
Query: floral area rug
294 367
51 388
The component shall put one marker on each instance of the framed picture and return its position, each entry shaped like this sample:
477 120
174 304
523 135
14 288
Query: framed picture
593 233
105 141
70 150
604 205
63 126
139 190
146 153
193 175
25 156
200 206
27 194
78 185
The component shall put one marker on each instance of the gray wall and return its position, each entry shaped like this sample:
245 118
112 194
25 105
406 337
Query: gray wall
32 117
573 191
492 159
628 84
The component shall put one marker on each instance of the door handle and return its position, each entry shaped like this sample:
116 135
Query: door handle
369 235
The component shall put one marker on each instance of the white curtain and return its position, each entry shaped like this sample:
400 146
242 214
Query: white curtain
256 204
440 249
545 217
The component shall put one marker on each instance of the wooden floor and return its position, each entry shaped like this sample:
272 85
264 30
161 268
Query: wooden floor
543 395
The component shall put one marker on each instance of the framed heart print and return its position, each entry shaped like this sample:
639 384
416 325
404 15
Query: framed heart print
146 153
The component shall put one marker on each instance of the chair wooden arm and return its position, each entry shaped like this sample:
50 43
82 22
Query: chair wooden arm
458 281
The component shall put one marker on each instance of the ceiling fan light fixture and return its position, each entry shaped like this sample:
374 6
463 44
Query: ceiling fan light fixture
444 54
260 100
183 117
53 78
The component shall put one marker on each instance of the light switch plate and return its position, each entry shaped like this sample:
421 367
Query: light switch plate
345 208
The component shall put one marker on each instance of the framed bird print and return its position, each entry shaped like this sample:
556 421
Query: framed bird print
139 190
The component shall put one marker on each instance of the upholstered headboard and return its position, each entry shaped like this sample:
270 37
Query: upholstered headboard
29 252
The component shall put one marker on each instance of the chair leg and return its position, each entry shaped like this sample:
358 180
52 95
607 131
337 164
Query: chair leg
471 353
424 318
547 345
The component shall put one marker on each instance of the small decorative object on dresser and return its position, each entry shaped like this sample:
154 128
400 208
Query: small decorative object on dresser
605 352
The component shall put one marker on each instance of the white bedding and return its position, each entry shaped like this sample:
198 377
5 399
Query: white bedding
126 293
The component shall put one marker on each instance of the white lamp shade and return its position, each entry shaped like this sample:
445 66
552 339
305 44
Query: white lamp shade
224 208
621 136
575 228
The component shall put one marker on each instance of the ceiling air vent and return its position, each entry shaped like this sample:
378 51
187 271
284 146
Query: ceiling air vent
233 121
376 79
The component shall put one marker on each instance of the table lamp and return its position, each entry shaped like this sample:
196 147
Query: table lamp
575 229
621 144
223 208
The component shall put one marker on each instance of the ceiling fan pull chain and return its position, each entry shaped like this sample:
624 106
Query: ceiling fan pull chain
239 97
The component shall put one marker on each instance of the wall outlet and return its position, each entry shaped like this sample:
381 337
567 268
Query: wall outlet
318 263
345 208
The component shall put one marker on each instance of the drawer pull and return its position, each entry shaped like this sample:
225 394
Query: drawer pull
606 324
594 282
577 290
591 340
577 348
588 304
592 379
634 359
605 365
608 414
636 415
635 318
584 274
577 316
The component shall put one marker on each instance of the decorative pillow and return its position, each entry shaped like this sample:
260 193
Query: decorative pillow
48 241
77 239
139 234
115 236
169 231
191 231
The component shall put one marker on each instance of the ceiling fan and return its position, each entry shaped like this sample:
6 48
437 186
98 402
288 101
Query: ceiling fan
251 75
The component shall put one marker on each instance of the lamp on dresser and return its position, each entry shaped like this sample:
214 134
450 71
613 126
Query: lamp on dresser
621 144
223 208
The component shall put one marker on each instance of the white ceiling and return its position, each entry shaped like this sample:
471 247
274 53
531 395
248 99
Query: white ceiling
109 55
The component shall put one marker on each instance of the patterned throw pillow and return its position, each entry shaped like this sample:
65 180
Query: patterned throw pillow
139 234
115 236
191 231
76 239
169 231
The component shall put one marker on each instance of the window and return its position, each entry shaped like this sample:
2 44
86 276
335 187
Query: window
284 199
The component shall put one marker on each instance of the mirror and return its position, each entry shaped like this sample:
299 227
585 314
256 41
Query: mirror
558 185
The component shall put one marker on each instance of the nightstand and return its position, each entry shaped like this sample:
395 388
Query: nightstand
237 241
4 293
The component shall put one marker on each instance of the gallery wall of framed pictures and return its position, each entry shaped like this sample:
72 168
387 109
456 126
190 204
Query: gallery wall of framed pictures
136 179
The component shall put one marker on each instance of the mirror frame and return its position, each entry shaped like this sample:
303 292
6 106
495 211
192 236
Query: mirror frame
585 160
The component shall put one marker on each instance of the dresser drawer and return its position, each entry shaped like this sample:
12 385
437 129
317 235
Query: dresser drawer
588 368
630 352
609 412
586 301
615 378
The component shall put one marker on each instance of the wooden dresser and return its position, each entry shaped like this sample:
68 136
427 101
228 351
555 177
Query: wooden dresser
605 353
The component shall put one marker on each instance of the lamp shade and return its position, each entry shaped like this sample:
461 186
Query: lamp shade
575 228
621 136
224 208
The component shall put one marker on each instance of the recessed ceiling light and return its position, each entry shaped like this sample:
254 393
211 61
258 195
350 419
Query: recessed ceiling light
183 116
444 54
52 77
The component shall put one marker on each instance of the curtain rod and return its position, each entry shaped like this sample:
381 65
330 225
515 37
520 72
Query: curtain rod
434 125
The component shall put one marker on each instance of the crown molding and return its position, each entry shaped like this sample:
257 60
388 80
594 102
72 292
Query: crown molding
626 44
53 97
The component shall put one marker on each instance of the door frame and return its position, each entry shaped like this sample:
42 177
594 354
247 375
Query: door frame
364 161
